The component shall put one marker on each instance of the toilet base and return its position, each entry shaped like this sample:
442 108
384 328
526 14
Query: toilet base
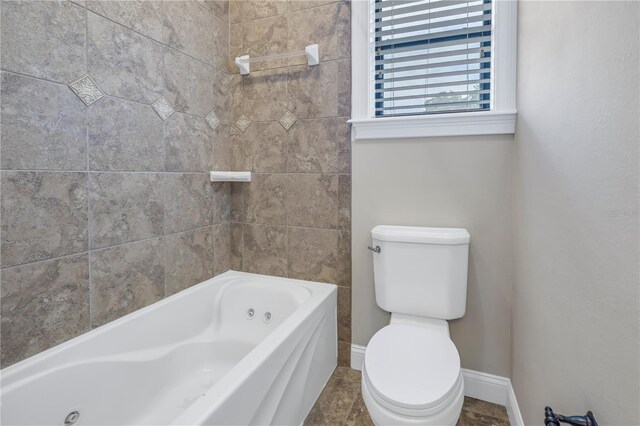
382 416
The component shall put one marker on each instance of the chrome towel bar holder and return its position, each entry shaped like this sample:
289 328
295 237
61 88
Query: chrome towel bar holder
311 51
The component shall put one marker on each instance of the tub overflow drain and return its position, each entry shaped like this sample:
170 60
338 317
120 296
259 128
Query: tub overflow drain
72 417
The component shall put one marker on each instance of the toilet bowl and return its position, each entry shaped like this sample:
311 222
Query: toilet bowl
411 373
411 376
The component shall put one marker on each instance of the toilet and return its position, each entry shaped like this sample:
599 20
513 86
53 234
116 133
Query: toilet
411 373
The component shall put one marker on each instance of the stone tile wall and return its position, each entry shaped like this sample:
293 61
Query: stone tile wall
293 219
106 207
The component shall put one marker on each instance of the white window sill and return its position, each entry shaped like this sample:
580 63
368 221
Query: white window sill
458 124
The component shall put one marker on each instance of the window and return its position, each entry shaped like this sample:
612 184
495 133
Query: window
431 57
433 67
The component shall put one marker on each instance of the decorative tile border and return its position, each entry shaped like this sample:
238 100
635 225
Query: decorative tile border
212 120
243 123
287 120
87 90
163 108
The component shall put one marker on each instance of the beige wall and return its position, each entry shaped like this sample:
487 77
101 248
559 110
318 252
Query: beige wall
447 182
570 257
575 311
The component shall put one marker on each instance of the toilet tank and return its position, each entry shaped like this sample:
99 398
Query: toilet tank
421 271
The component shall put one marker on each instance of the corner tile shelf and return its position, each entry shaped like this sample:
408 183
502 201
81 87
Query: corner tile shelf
216 176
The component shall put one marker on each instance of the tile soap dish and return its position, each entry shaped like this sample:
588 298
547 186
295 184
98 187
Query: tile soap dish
216 176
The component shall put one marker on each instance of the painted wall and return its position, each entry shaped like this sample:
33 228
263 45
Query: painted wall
442 182
575 303
294 218
107 208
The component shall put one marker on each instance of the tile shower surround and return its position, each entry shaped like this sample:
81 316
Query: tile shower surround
289 128
106 205
95 226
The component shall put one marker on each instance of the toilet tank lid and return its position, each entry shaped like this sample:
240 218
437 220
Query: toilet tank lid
416 234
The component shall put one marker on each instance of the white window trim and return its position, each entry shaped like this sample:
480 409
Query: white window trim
500 120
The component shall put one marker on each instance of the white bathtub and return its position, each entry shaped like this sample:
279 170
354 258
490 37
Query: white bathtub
195 358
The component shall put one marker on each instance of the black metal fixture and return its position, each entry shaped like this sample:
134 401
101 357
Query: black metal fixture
553 419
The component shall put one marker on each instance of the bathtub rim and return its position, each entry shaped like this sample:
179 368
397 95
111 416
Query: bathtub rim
202 408
10 377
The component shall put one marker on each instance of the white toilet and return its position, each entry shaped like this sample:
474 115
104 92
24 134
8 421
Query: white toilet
411 373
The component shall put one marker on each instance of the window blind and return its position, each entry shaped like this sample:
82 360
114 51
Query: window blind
431 56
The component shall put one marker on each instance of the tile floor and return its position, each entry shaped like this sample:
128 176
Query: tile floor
341 404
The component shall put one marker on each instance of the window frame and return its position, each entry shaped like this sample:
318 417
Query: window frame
500 119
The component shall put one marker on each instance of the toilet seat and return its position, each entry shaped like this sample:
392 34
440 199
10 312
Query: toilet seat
412 371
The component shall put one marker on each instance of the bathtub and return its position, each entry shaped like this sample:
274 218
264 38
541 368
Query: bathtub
236 349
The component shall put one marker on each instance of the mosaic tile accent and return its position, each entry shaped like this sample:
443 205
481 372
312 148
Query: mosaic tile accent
243 123
287 120
87 90
163 108
212 120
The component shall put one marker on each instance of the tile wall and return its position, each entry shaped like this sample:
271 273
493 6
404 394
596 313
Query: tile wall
293 219
105 201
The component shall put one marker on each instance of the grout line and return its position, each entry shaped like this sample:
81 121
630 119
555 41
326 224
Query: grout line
106 95
89 205
1 222
35 262
242 263
160 172
87 47
205 7
122 25
286 213
99 249
160 42
164 263
315 118
164 168
178 172
161 95
287 11
287 226
213 249
164 165
228 58
39 78
286 252
199 228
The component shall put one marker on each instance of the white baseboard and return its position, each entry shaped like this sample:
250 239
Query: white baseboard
357 356
484 386
513 410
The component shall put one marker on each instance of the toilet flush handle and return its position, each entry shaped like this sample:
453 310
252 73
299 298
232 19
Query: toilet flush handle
375 249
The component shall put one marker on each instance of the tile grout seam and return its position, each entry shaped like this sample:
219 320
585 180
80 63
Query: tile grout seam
88 162
100 249
164 168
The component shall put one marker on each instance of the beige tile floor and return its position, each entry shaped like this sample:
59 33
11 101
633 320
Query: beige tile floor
340 403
